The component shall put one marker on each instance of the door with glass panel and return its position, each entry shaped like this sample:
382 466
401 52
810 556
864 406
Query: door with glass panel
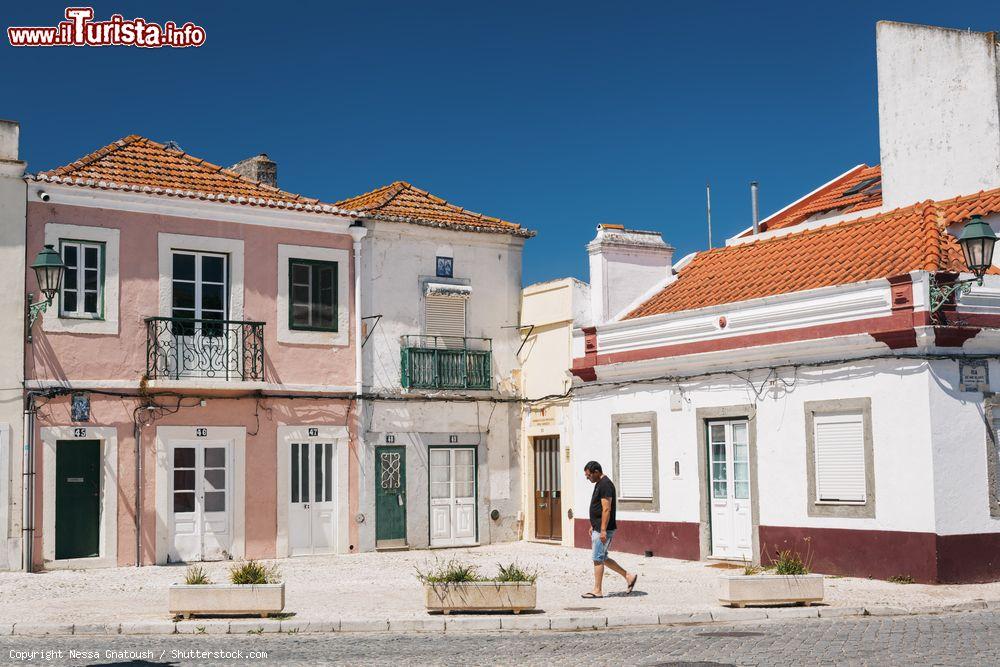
199 308
453 496
729 489
200 512
312 510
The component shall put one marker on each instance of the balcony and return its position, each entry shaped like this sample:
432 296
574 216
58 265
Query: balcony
446 362
226 350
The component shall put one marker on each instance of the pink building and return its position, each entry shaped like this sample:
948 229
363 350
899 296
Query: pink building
192 383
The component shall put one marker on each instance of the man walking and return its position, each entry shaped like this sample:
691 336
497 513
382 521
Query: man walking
602 529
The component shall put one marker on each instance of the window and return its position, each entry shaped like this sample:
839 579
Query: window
444 316
312 302
445 267
83 283
199 291
840 475
635 461
993 455
840 458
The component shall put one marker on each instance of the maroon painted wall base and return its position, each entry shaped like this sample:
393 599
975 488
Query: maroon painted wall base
879 554
663 538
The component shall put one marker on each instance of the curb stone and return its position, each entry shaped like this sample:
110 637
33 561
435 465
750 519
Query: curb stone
484 623
886 611
840 612
686 619
242 627
202 627
579 622
6 629
96 629
525 623
39 629
633 620
148 628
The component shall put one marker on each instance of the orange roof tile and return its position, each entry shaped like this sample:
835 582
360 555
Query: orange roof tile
889 244
857 190
139 164
402 202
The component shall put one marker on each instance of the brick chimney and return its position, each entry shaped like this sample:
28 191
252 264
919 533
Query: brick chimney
624 265
939 112
258 168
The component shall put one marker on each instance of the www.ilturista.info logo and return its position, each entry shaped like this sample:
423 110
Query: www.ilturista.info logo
79 29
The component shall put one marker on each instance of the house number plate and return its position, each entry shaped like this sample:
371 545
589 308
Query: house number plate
201 432
79 433
313 432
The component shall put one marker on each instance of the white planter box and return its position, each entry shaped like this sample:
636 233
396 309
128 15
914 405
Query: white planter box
481 596
740 590
185 600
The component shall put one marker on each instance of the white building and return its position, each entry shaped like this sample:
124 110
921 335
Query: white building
440 300
12 302
799 388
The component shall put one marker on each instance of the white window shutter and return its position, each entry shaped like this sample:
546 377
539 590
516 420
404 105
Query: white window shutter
840 458
444 316
635 461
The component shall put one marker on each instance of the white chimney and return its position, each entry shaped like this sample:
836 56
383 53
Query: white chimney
939 112
624 265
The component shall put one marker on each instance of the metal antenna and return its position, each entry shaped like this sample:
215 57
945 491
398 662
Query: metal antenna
708 211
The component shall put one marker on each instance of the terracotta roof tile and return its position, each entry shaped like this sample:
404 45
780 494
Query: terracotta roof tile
908 239
139 164
402 202
857 190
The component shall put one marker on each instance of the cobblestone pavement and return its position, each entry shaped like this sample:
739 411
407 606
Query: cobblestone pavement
971 638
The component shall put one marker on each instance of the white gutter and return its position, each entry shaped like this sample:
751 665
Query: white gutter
357 233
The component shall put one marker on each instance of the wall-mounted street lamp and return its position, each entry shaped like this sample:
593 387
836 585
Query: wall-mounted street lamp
977 240
49 268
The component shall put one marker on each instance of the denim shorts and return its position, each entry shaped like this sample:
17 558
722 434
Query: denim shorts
600 548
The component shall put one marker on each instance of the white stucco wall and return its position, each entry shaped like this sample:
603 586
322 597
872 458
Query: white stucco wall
960 442
939 115
900 430
397 259
12 234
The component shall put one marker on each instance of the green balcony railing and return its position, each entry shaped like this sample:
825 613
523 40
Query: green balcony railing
446 362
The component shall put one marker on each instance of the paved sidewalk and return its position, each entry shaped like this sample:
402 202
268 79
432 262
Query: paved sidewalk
380 592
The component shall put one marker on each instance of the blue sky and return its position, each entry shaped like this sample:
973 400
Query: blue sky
554 115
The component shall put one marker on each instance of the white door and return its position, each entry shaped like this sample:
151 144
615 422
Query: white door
453 496
312 509
199 303
200 514
729 489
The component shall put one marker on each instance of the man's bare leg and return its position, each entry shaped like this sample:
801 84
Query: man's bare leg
619 569
598 578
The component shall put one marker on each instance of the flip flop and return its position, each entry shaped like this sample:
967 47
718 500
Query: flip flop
632 585
591 596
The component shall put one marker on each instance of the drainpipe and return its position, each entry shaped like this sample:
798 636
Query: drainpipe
137 432
358 232
28 485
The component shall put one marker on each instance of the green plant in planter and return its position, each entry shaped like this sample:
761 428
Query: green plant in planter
195 575
788 561
514 573
254 572
449 572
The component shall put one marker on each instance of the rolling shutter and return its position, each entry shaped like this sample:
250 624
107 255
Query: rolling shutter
444 316
635 461
840 458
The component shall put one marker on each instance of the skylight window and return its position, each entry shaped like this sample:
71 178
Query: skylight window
861 186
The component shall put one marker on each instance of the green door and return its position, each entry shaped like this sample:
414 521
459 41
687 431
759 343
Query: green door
390 496
78 498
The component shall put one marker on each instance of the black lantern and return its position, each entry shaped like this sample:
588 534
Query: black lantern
48 267
977 241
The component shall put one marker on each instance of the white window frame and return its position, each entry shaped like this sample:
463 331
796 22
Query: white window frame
80 270
53 321
168 243
198 280
820 411
625 502
341 257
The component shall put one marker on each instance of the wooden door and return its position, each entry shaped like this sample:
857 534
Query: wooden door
548 492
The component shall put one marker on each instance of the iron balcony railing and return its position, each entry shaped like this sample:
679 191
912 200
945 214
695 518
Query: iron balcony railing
446 362
179 348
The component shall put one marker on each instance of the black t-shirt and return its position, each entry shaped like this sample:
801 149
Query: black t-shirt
603 489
